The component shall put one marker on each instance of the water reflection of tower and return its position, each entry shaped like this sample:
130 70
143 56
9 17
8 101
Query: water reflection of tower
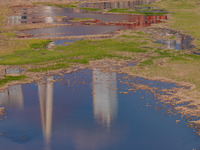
179 42
13 96
48 10
45 91
105 97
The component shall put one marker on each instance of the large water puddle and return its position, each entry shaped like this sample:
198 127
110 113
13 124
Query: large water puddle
107 24
90 110
100 24
46 14
63 31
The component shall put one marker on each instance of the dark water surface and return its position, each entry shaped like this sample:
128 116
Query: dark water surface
84 110
73 31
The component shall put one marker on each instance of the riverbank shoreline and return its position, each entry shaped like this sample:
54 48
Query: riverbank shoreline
152 62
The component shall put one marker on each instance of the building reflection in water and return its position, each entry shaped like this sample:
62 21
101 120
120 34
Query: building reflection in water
45 91
50 11
144 21
178 41
105 97
49 20
113 4
26 16
13 96
15 19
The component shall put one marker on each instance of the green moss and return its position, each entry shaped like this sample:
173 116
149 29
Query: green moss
81 51
116 10
8 34
90 9
146 62
178 58
11 78
81 19
172 38
49 68
40 44
151 13
138 11
196 57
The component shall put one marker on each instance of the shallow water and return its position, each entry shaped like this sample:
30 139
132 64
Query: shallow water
85 110
73 31
65 42
134 22
102 24
46 14
178 41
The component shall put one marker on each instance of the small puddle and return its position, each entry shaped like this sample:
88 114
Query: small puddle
12 70
196 53
90 105
63 42
174 40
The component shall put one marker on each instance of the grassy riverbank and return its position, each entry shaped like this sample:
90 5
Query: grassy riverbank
82 19
8 79
81 51
139 11
178 67
185 17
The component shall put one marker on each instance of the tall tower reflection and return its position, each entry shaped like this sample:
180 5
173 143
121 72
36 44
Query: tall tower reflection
48 10
45 91
13 96
105 97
